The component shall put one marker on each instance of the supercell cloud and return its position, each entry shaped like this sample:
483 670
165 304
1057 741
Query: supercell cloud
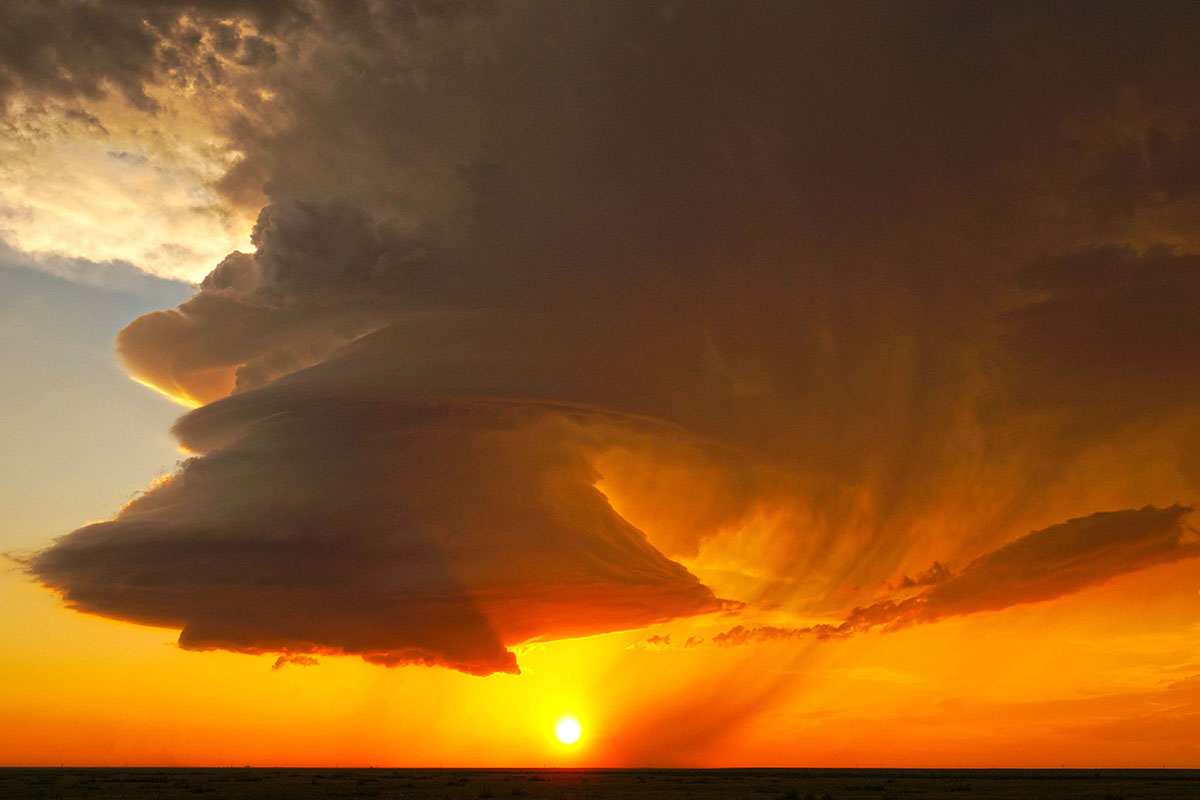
564 318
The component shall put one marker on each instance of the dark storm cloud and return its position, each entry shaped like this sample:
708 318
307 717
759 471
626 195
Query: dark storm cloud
403 533
322 275
1153 166
781 248
673 122
749 172
1040 566
77 49
1108 329
73 48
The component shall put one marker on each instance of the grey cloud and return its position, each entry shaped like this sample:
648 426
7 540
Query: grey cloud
306 248
77 49
400 532
322 275
44 47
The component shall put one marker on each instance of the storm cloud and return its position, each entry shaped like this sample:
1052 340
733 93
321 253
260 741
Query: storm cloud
551 305
429 533
322 275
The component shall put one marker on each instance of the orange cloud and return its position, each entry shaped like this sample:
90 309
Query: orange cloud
1040 566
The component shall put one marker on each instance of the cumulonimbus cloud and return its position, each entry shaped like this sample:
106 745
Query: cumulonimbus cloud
502 237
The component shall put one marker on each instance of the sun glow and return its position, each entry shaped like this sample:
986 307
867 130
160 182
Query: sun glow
567 729
181 399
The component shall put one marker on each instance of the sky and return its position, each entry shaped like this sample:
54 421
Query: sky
757 384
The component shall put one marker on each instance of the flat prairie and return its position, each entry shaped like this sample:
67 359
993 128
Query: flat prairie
585 784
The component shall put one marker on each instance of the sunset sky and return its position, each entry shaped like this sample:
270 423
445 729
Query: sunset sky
754 383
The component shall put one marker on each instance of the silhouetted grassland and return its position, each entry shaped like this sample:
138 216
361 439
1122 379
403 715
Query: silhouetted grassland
493 784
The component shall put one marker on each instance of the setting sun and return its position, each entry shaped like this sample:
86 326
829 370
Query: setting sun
568 730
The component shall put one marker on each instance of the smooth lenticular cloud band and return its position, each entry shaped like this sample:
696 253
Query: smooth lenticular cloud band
402 532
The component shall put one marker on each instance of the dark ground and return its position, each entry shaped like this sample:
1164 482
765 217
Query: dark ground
457 784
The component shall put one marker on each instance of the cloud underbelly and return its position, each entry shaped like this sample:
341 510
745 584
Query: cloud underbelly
402 532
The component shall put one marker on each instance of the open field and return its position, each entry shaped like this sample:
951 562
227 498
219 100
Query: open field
493 784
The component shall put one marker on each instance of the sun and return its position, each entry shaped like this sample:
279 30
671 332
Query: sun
568 730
